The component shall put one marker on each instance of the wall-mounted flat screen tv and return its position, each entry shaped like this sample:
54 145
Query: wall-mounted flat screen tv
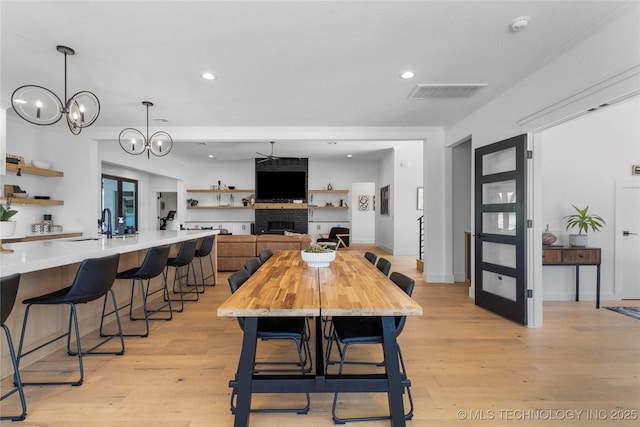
281 185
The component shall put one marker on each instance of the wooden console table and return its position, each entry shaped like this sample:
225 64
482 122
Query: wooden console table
574 255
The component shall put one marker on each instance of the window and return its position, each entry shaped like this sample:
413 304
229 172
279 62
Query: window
120 196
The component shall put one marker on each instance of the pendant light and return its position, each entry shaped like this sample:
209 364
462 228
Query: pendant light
40 106
134 142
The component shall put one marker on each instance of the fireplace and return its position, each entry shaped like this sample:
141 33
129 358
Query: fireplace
281 220
281 226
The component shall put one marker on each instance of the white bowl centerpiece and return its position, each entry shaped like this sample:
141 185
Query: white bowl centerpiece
318 256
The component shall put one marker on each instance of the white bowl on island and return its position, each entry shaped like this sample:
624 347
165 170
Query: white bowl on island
318 259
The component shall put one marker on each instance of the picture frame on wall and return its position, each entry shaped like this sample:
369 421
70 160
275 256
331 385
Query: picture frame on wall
420 199
384 200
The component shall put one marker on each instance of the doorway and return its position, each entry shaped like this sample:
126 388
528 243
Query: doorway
120 196
627 239
167 207
500 228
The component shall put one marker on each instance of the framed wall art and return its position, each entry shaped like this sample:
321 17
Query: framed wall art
384 200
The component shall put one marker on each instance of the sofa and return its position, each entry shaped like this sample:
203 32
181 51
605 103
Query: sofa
233 250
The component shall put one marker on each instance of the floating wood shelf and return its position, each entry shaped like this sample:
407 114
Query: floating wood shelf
220 207
204 190
43 202
280 206
328 191
33 170
328 207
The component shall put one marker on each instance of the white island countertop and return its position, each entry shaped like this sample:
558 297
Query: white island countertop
43 254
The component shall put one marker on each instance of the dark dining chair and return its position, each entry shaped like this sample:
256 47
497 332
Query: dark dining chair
371 257
93 281
8 293
277 328
384 265
182 267
153 265
350 331
337 235
252 265
265 255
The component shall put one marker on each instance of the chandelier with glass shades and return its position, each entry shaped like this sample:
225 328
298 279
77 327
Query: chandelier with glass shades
134 142
40 106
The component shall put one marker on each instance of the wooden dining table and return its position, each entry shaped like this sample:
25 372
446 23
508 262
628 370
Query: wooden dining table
351 286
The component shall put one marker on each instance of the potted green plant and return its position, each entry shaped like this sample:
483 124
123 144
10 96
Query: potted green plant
7 227
192 202
584 221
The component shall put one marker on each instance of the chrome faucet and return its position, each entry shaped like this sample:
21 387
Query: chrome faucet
107 212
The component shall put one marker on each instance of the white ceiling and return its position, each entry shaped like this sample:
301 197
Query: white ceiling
283 63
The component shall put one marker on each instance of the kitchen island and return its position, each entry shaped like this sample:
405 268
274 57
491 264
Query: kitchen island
50 265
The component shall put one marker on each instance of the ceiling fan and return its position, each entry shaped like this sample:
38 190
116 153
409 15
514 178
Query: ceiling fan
268 157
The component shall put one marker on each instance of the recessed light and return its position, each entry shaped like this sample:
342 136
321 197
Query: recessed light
349 156
211 156
407 75
208 76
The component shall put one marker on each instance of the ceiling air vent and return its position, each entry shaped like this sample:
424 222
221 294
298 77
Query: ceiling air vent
431 91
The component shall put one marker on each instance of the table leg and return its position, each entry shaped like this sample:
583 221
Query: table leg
577 283
598 286
392 366
245 372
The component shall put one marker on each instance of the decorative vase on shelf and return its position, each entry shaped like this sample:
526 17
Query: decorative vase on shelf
329 187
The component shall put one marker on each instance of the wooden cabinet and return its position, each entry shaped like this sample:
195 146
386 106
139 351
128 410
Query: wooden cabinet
570 256
574 256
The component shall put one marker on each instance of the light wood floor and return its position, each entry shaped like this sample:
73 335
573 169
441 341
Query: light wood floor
467 366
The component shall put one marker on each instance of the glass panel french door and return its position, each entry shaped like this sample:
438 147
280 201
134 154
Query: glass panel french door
120 196
500 228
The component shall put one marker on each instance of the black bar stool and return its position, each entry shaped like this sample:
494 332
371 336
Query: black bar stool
8 293
184 259
93 280
205 250
153 265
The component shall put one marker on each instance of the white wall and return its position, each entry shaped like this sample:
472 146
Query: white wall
384 223
408 176
363 222
601 67
583 158
76 156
